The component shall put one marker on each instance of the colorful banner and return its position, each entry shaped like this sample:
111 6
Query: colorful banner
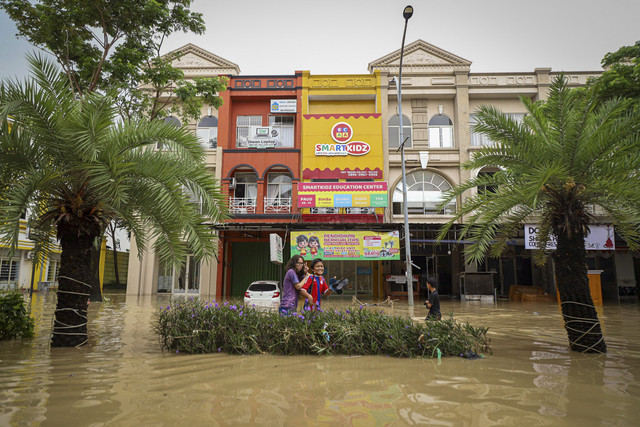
342 194
346 245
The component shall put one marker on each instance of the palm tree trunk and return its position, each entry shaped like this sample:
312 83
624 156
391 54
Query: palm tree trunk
75 281
580 317
96 292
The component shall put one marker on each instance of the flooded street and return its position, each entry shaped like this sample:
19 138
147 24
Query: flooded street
123 379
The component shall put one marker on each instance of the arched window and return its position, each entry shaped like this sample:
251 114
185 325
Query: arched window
245 193
440 132
424 194
488 173
171 120
278 192
394 137
208 132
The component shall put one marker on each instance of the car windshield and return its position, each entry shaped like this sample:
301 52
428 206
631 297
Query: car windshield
262 287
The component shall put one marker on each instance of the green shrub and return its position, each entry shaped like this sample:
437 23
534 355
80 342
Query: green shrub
195 326
15 322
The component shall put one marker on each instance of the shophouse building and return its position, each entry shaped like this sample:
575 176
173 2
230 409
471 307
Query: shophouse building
259 138
343 193
440 95
148 276
334 174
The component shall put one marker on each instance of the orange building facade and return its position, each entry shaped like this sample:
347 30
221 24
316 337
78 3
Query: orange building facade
259 133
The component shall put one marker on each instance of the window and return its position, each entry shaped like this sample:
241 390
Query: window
192 198
394 137
424 194
487 173
481 140
208 132
440 132
278 185
245 194
278 198
286 128
478 139
52 270
9 270
171 120
243 125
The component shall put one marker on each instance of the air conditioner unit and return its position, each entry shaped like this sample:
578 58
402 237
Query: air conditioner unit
232 183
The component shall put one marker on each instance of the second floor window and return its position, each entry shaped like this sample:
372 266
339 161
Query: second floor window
208 132
243 126
440 132
481 140
171 120
286 128
394 131
279 186
246 186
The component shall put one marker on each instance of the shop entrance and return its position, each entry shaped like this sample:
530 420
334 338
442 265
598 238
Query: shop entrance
362 280
185 280
250 262
436 266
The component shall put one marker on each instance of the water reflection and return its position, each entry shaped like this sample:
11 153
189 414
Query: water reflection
122 378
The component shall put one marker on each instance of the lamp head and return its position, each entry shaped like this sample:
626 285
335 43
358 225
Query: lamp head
407 12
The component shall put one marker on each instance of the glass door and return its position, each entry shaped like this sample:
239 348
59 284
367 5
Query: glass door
180 281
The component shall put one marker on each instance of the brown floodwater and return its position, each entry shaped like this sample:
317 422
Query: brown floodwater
122 378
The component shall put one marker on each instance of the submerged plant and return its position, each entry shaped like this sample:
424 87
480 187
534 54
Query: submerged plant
196 326
15 322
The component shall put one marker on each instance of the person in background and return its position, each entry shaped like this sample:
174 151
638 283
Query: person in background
316 285
433 302
296 275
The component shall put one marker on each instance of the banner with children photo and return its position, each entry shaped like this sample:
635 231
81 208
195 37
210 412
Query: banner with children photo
346 245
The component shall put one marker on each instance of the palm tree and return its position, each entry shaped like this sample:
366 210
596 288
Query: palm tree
75 167
568 154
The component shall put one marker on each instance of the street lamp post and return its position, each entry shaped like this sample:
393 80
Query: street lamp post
406 13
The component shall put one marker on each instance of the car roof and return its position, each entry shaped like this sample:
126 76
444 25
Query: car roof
273 282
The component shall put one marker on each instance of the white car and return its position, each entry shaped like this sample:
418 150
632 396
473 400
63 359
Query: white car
263 293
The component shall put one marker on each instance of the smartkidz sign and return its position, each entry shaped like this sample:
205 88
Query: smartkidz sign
342 133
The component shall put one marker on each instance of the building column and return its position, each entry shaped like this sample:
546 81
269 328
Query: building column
461 124
543 77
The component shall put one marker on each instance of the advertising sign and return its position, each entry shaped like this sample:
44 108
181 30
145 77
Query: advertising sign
600 238
283 106
263 137
346 245
342 194
342 146
275 248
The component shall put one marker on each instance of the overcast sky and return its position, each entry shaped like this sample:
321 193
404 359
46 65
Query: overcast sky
343 36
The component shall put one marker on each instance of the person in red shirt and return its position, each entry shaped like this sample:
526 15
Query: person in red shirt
316 285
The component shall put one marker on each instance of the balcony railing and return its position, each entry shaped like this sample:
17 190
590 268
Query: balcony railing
283 205
324 210
352 211
239 205
277 205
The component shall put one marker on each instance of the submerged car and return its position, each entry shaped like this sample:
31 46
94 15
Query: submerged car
263 293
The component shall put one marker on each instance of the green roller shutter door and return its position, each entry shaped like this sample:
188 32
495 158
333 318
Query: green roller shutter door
250 262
